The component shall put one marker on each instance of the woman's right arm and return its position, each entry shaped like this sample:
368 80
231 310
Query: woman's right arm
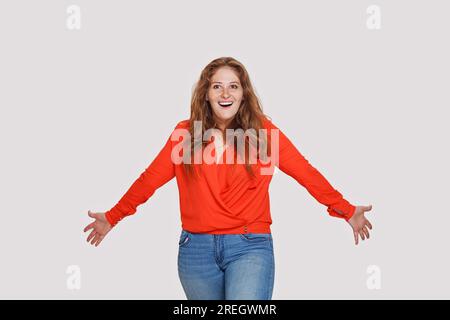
159 172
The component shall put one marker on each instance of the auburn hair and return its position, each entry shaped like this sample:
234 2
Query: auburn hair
249 115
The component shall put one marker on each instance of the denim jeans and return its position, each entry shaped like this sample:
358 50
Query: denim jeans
226 266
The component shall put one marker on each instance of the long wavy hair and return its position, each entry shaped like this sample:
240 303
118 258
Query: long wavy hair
248 116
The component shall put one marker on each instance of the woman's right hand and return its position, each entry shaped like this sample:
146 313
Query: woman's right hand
101 227
359 223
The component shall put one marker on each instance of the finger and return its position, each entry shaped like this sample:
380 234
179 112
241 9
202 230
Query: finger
361 233
95 238
91 235
99 240
92 214
355 234
89 226
368 208
366 232
369 224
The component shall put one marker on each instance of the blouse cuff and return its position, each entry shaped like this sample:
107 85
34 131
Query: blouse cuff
345 211
113 217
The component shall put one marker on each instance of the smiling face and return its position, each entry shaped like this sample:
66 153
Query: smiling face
225 95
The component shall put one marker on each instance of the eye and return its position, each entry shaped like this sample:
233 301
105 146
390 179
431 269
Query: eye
234 86
216 86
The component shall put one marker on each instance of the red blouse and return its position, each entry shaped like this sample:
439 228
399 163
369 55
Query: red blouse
223 199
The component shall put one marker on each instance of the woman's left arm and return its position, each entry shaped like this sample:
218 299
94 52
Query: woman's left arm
293 163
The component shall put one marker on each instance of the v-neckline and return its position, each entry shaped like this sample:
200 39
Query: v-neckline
219 148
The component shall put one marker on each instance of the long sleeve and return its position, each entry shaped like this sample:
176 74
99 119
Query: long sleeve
159 172
293 163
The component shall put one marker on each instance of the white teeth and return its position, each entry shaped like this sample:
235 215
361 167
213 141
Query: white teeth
225 104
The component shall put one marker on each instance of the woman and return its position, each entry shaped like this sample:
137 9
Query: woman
225 246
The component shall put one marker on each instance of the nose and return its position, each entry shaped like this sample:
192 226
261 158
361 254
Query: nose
225 93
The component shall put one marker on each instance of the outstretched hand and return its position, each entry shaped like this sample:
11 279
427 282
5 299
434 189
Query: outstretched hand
360 224
101 227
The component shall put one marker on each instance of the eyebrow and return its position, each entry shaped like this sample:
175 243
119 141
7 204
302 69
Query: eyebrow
230 82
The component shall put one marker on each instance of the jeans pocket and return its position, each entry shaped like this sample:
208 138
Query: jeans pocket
185 237
256 237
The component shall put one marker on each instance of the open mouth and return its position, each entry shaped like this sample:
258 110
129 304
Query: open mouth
226 104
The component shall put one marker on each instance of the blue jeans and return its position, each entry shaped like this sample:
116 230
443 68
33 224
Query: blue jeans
226 266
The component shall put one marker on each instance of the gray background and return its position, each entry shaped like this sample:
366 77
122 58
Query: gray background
83 112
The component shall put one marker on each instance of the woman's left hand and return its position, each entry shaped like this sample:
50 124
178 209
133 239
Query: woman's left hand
360 224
